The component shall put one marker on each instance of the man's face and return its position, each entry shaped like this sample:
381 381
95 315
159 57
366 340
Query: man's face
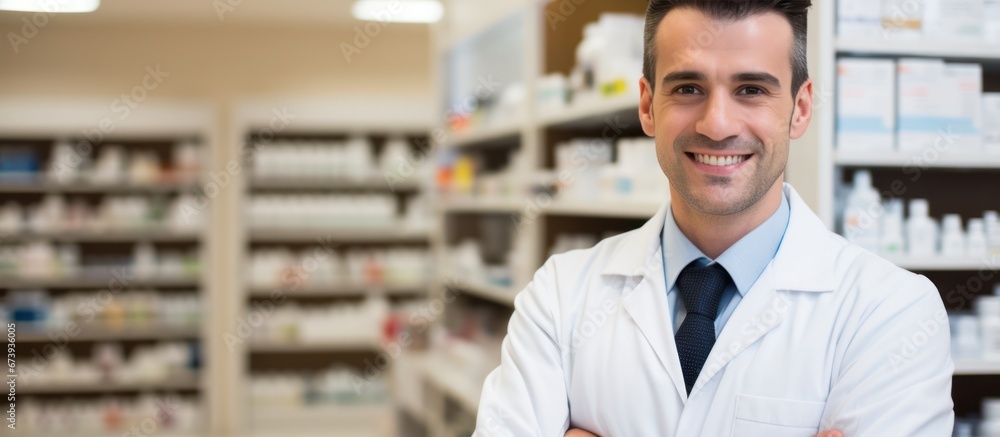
723 95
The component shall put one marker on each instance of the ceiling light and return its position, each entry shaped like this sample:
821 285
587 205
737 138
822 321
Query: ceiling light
50 6
399 11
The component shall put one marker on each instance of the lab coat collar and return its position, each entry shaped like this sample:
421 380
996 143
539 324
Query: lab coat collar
802 262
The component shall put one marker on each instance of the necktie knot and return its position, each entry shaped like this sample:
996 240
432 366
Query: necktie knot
701 288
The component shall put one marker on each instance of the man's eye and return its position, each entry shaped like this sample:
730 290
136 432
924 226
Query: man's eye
686 89
752 91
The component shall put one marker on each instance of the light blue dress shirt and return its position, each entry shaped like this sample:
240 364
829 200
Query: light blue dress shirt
744 261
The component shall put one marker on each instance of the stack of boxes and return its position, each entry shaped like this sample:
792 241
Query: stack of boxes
913 105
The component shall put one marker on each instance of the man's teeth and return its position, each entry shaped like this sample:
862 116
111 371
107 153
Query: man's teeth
719 160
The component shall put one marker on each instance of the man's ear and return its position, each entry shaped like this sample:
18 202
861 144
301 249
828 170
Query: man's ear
802 112
646 107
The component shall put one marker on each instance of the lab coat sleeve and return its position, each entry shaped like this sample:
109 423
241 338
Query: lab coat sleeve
526 394
895 376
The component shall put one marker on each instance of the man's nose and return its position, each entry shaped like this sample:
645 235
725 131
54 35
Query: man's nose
718 121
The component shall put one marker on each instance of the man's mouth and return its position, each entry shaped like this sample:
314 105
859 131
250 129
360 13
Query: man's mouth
718 160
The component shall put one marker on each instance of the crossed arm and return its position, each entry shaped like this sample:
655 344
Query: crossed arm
577 432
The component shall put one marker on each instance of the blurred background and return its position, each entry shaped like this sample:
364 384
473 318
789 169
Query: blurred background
297 218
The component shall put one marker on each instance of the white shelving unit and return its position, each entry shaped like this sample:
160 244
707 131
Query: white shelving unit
977 367
40 123
951 171
915 160
535 220
320 119
938 49
173 384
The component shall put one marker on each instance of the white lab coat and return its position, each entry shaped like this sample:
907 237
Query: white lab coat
829 337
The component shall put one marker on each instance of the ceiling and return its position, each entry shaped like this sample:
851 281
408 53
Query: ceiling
221 12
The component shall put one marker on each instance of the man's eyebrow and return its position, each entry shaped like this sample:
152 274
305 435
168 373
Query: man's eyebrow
751 76
683 75
756 77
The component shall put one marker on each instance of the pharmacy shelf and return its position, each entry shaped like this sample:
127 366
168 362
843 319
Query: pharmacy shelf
339 290
603 208
42 187
485 204
507 133
484 290
915 159
322 420
103 281
104 333
331 345
965 366
940 263
595 112
174 383
451 380
340 235
157 235
294 184
159 433
928 48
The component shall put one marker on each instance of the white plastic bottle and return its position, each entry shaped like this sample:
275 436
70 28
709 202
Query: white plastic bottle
861 221
952 237
921 230
892 241
988 310
975 239
992 219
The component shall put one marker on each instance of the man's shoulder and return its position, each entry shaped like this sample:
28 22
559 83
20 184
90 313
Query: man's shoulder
871 277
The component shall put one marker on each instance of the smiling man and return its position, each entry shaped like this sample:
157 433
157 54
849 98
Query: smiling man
733 311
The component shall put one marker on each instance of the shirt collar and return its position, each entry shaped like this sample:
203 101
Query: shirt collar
744 261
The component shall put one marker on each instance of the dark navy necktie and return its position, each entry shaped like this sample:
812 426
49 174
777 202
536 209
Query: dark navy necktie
701 290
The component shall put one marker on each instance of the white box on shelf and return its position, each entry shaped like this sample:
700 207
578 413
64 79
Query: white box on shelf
859 18
991 21
920 111
903 19
954 20
963 107
991 122
866 116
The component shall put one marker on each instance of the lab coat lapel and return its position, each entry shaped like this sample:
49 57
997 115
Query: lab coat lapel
802 264
646 304
638 261
760 311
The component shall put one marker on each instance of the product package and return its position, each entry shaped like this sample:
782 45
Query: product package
866 117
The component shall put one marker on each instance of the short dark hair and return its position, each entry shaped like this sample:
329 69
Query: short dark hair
795 11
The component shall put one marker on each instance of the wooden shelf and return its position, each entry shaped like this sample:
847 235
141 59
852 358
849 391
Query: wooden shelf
972 51
174 383
317 346
104 333
340 235
291 183
158 235
44 187
96 282
914 159
337 290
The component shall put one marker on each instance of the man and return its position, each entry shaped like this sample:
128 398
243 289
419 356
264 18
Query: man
733 311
